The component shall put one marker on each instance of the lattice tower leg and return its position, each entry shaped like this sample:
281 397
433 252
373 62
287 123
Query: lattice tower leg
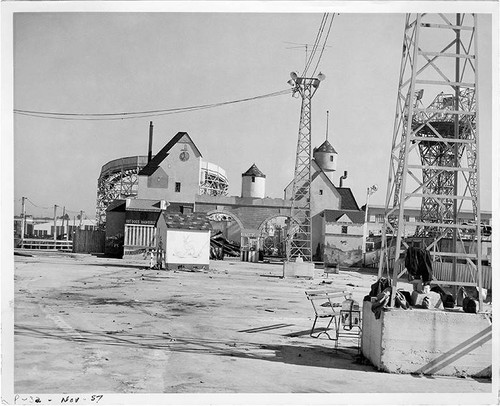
299 238
427 165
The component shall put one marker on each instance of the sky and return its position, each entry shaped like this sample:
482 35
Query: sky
124 62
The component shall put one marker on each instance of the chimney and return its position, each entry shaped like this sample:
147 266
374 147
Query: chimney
150 149
342 178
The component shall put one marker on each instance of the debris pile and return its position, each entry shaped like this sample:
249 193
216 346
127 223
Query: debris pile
220 246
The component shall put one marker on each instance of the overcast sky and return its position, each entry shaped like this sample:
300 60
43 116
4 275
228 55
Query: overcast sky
126 62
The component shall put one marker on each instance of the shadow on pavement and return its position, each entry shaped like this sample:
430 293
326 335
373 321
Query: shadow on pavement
317 355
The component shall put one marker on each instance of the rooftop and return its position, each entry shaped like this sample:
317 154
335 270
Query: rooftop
189 221
254 171
326 147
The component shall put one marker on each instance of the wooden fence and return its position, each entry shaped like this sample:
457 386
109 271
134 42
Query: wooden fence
46 244
88 241
443 271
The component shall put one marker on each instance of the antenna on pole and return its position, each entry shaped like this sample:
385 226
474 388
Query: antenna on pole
327 114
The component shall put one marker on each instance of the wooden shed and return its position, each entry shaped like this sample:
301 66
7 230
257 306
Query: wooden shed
184 239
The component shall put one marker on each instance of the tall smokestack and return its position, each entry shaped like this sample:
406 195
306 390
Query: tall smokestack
150 149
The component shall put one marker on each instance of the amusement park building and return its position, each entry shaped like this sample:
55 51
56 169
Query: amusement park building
178 178
119 178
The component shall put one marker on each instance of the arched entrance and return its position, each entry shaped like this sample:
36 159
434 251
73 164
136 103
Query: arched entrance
272 236
226 222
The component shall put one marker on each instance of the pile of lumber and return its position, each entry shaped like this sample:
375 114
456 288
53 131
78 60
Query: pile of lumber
220 247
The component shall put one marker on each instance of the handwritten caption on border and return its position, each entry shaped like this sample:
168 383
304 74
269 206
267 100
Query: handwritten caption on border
57 399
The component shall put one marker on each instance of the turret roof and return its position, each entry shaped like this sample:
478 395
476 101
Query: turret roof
326 147
254 171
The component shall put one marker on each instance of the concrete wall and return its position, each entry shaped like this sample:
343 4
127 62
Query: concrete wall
252 213
430 342
344 249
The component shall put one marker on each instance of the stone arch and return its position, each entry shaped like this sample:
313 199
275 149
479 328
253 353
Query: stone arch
228 213
261 226
272 245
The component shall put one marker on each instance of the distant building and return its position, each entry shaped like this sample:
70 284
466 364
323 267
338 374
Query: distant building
252 219
44 227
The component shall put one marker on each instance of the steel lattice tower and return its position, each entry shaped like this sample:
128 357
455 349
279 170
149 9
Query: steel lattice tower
299 242
434 155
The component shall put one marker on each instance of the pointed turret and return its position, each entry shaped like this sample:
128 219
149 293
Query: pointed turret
253 183
325 155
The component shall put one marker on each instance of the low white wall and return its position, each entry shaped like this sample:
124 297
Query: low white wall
187 247
431 342
371 337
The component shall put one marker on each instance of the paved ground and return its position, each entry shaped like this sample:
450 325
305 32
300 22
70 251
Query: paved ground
85 324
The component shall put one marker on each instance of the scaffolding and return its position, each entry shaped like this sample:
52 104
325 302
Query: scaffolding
434 155
118 180
213 181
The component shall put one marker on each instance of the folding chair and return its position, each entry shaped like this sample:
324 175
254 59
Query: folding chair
325 309
350 322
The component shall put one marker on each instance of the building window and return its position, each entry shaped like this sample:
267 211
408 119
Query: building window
379 218
253 178
331 158
320 192
344 230
177 187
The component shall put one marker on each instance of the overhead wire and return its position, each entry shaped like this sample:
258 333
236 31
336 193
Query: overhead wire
138 114
324 44
319 37
316 42
39 207
50 208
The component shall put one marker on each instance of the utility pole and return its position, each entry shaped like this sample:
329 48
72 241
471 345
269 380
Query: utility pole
63 215
23 220
299 238
369 191
55 225
81 218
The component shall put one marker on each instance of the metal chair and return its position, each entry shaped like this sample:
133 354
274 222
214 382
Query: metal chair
350 321
326 309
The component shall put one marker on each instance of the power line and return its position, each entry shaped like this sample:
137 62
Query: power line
316 42
319 38
39 207
50 208
324 44
138 114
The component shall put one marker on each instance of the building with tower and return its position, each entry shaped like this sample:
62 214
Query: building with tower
253 183
177 180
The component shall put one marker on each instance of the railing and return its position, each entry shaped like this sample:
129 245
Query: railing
41 244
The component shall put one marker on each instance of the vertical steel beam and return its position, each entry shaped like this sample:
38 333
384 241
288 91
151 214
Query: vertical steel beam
428 144
299 238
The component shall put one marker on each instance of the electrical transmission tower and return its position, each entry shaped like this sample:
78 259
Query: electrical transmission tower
434 156
299 242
